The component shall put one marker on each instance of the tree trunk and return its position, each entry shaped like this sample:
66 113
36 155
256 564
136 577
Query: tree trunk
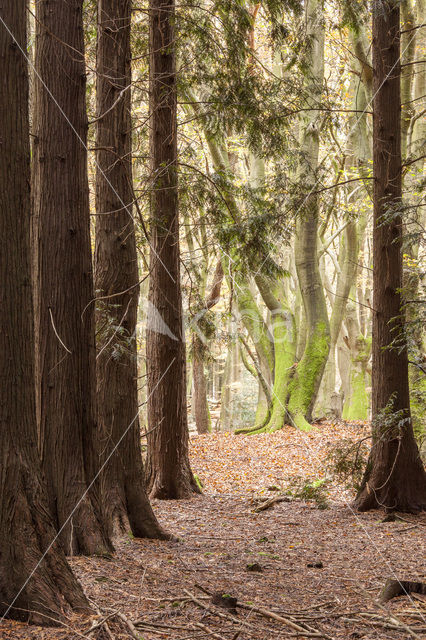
116 283
306 381
395 477
201 405
169 474
413 183
200 339
64 287
26 526
284 332
356 400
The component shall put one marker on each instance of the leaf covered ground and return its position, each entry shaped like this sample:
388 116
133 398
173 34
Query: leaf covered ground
308 567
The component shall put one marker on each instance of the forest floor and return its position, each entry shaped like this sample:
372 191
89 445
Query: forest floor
302 568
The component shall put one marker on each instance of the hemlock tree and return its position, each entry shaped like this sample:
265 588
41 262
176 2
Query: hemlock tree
65 357
395 477
117 282
26 526
168 470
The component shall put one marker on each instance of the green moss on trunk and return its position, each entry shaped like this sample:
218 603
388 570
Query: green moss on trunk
304 385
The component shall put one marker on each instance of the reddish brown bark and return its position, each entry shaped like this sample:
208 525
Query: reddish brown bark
116 283
64 282
395 477
26 527
168 470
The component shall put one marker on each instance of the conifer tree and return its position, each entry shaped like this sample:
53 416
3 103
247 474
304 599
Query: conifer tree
395 477
65 334
29 588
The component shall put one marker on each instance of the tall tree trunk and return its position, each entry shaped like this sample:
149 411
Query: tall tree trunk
64 287
395 477
350 241
306 381
413 180
201 405
116 282
169 474
200 350
26 526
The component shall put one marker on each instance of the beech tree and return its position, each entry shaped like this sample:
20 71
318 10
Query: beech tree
29 589
305 384
65 334
168 470
395 477
117 281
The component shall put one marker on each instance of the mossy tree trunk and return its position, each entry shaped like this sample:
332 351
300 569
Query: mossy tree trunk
356 401
351 240
284 334
306 381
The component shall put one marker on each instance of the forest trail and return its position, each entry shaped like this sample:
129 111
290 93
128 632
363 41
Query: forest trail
221 538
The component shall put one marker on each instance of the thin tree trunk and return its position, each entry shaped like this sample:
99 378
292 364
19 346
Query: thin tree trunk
200 402
26 526
395 477
116 283
64 287
169 474
356 400
201 405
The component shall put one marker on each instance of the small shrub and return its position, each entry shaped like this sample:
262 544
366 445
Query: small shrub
348 460
310 489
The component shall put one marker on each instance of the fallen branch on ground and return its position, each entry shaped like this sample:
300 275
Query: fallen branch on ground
271 501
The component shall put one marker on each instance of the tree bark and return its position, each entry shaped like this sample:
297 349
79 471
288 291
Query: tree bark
26 526
395 477
117 283
201 407
168 471
306 381
199 349
64 282
284 332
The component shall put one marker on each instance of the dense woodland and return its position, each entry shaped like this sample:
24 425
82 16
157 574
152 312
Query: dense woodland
213 230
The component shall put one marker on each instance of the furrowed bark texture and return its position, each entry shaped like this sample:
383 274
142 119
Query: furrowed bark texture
64 283
395 477
168 471
26 527
116 282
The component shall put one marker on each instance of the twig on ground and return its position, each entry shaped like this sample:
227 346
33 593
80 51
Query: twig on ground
313 633
130 625
271 501
205 628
